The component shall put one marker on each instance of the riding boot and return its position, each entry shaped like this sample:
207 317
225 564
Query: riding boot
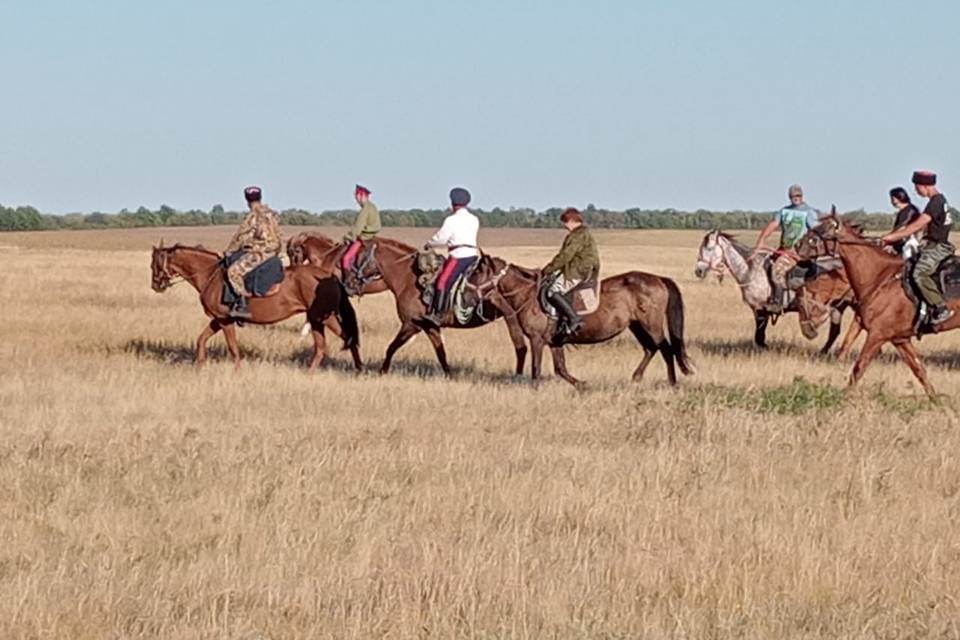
573 321
240 309
435 317
775 305
940 314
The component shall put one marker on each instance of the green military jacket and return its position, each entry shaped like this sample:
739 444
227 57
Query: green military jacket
578 258
367 223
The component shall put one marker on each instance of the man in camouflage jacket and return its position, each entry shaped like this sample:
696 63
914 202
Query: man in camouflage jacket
259 239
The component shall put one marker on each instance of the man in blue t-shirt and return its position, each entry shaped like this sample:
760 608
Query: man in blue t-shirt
793 220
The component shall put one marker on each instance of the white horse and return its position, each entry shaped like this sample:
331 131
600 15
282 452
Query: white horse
720 250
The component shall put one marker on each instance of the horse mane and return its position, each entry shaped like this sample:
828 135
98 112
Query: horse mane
530 274
199 248
738 246
396 245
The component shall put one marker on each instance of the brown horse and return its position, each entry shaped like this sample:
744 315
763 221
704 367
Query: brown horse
304 289
650 306
395 263
887 313
324 252
826 297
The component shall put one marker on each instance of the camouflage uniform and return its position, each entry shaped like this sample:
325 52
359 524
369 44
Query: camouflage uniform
259 239
577 260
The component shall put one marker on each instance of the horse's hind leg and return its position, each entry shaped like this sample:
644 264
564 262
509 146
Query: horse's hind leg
208 332
437 341
909 354
853 332
536 357
519 344
230 333
334 325
560 366
649 350
831 336
760 334
319 344
407 331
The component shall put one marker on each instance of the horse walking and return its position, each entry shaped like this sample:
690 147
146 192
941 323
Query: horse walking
303 289
650 306
719 250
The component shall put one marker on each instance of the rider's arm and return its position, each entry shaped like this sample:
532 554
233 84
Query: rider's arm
566 253
241 235
772 226
358 224
442 237
919 223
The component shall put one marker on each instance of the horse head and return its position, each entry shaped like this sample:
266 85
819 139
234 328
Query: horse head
309 246
710 254
160 269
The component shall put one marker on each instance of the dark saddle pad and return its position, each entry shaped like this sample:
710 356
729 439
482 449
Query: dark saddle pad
948 277
259 282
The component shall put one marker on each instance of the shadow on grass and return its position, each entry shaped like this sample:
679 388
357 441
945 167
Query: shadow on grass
720 347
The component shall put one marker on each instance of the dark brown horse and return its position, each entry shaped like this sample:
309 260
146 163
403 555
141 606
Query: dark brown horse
887 313
395 263
311 247
650 306
304 289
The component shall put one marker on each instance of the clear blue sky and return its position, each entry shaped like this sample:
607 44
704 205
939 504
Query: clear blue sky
112 104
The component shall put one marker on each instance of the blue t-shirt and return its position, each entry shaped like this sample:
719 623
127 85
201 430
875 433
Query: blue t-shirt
796 220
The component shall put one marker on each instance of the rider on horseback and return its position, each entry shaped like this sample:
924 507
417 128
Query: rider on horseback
459 234
365 227
936 221
793 220
259 239
577 260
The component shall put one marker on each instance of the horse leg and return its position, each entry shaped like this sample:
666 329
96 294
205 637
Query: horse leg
831 336
519 344
334 325
853 332
649 350
909 354
536 357
319 345
870 349
208 332
760 334
230 333
407 331
437 341
560 366
667 353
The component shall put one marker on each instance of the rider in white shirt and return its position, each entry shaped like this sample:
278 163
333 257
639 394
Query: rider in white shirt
459 235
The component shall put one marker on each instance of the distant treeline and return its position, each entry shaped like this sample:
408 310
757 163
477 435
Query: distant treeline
29 219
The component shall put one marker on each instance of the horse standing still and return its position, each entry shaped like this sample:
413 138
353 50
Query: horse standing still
650 306
395 263
887 313
303 289
718 249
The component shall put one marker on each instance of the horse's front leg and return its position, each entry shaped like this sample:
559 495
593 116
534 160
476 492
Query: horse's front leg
560 367
208 332
319 345
760 333
230 333
832 335
519 343
407 331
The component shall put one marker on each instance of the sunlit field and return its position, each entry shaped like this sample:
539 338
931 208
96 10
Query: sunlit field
142 498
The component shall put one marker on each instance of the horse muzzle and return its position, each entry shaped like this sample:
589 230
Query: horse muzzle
700 271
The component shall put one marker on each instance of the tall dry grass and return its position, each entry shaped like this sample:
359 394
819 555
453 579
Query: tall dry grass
142 498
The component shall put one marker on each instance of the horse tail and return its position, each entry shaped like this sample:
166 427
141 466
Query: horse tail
348 321
675 326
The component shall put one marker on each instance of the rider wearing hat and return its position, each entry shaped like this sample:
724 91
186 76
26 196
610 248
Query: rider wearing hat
259 239
459 235
936 222
577 260
365 227
793 220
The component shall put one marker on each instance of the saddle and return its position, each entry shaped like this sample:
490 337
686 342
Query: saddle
358 278
464 302
947 279
585 296
262 282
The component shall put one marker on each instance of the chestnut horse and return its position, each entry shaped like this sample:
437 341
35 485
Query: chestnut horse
887 313
304 289
324 252
650 306
395 263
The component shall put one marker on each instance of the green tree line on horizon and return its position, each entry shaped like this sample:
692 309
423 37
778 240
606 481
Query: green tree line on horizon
30 219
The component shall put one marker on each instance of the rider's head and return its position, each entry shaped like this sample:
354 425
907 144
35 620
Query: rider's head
925 182
571 218
795 193
459 198
361 193
899 197
252 194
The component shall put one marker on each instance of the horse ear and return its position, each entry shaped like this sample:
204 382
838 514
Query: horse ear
160 246
833 210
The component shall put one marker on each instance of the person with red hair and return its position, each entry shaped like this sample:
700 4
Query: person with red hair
577 263
365 227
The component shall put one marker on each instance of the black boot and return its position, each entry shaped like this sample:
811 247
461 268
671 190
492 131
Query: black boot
240 309
572 321
439 306
941 314
775 305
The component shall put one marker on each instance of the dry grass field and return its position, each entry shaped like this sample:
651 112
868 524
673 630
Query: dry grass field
141 498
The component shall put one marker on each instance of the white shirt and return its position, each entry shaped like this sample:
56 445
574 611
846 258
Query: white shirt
459 234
